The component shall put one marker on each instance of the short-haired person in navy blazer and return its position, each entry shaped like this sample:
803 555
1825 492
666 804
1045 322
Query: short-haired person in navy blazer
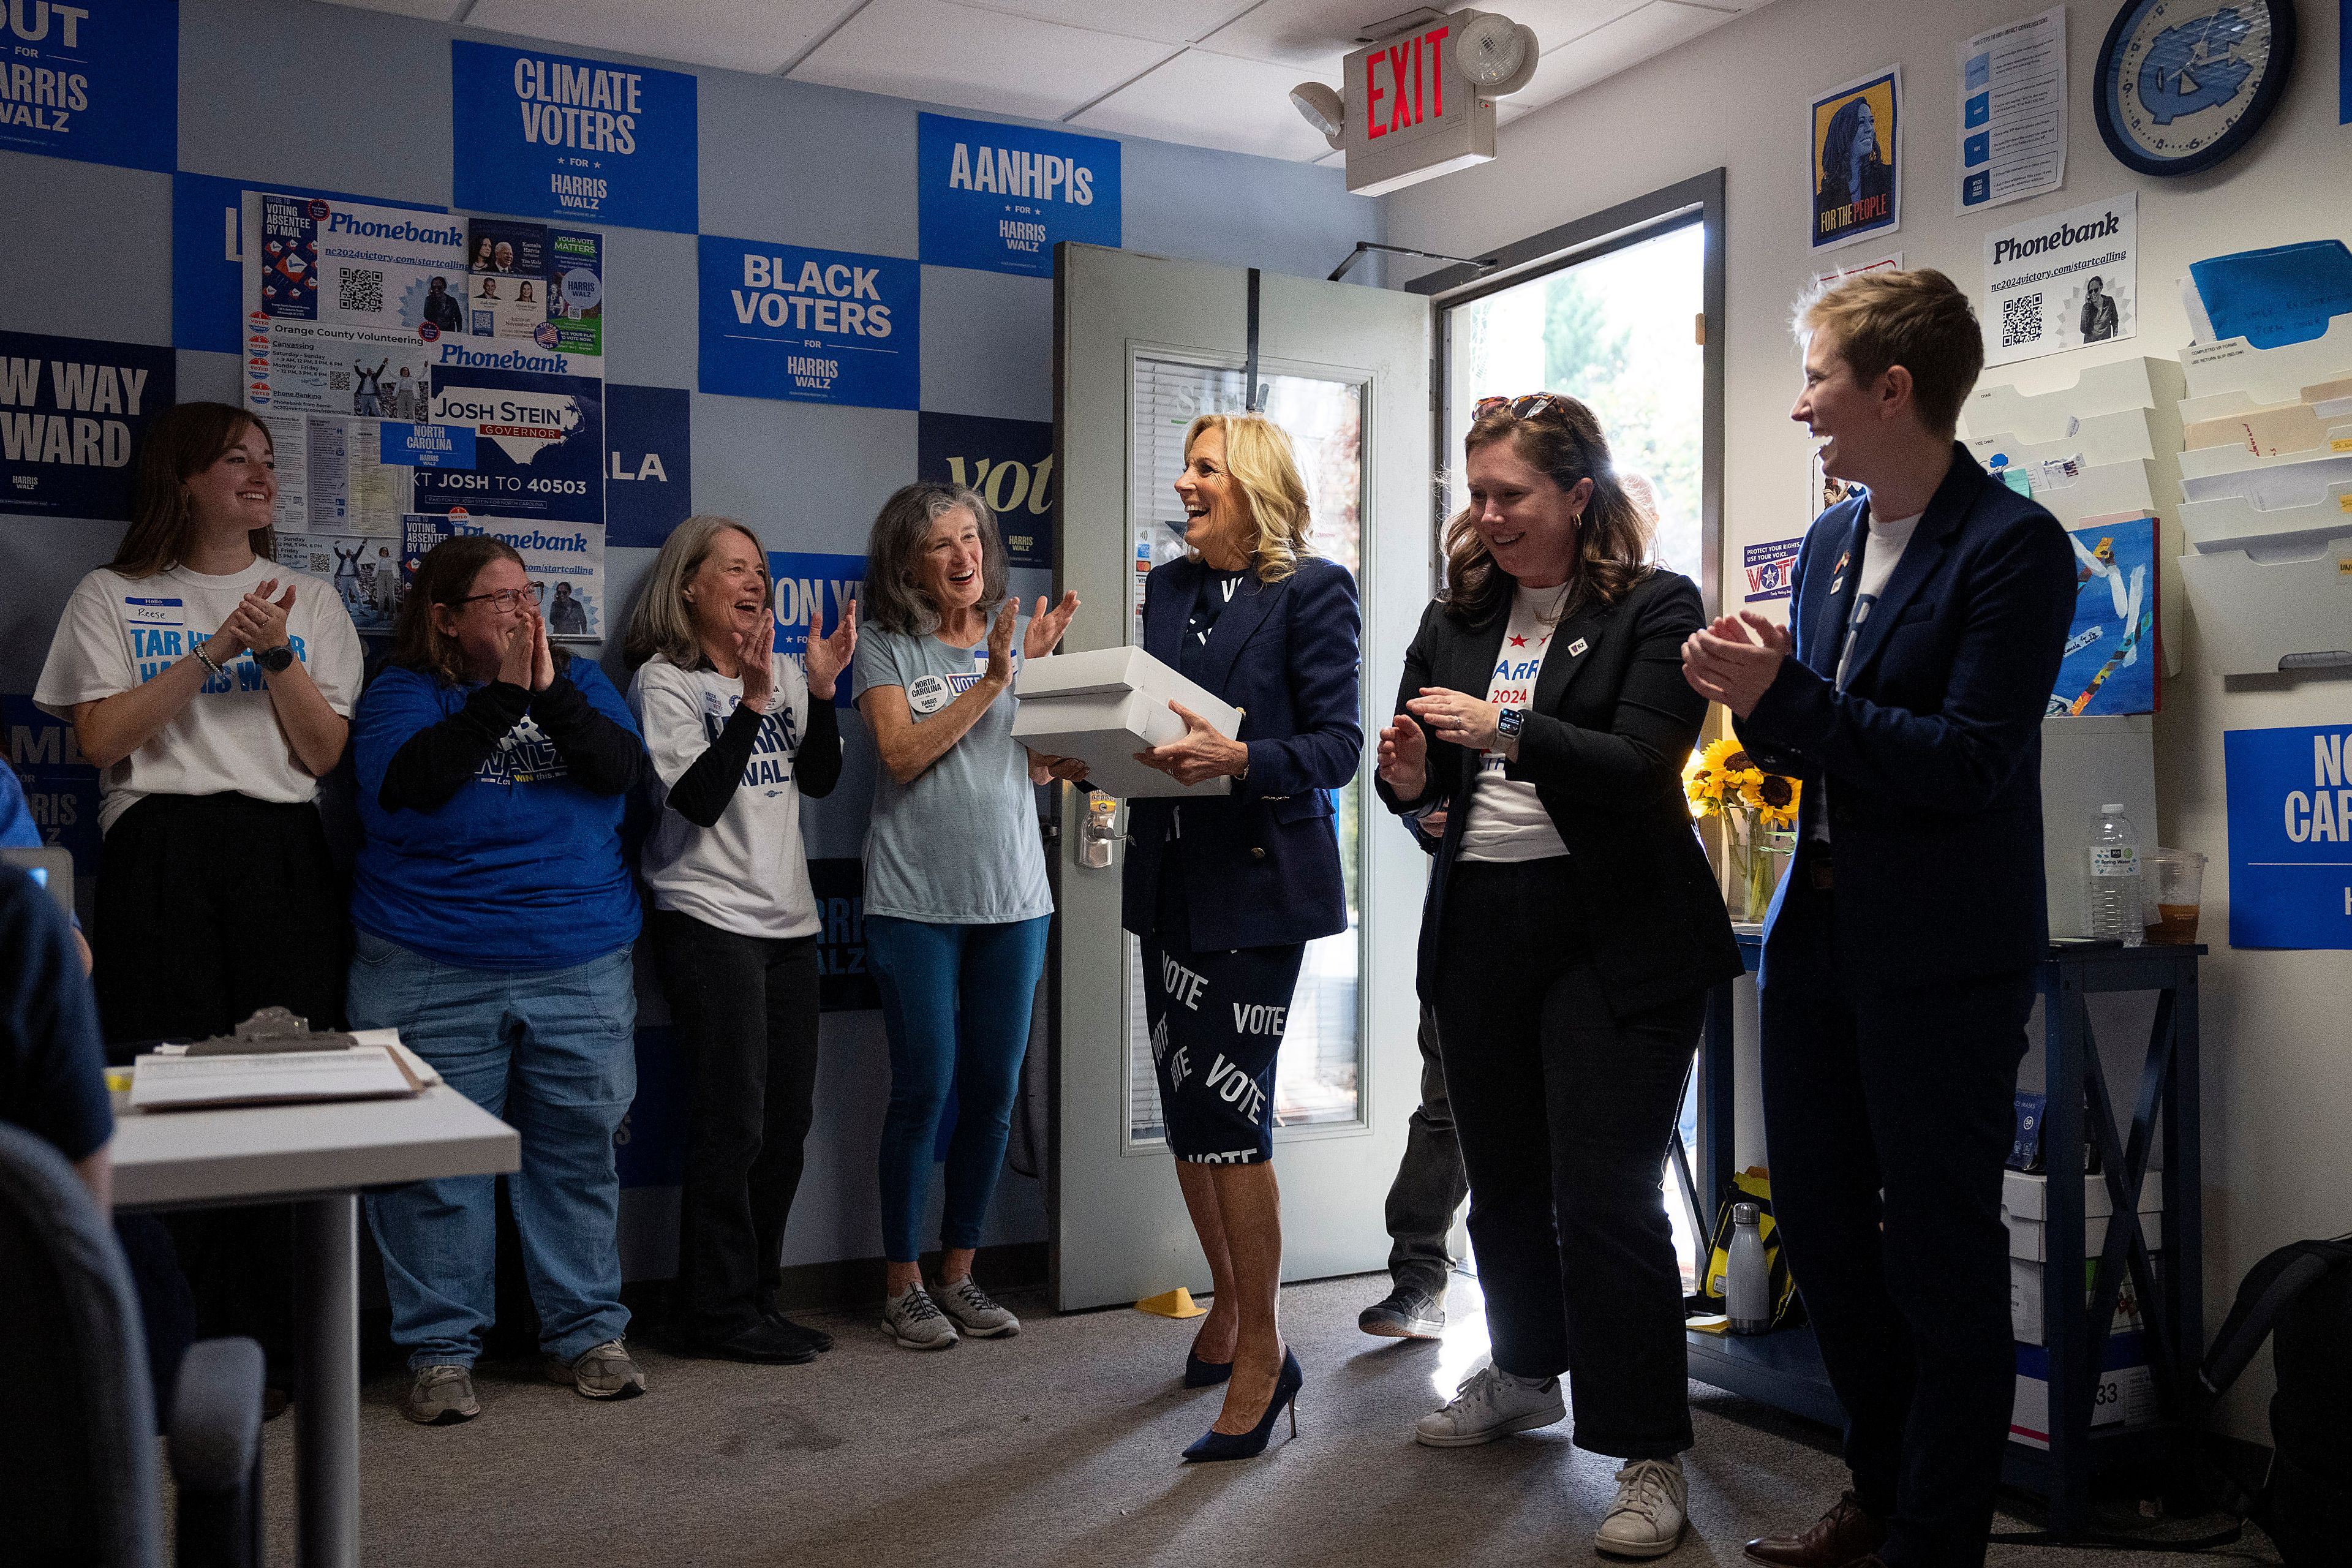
1226 891
1929 617
1571 931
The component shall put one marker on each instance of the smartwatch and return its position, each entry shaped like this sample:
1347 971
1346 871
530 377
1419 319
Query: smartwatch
275 660
1509 723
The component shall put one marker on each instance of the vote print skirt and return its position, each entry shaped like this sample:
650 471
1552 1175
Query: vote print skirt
1216 1021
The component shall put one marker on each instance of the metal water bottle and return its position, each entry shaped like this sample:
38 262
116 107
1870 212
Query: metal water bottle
1748 1294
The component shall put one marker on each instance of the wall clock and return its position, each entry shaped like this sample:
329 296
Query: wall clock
2184 84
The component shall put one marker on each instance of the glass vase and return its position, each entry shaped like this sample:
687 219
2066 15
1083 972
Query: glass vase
1757 855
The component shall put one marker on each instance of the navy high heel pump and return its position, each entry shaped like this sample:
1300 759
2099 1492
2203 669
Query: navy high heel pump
1199 1374
1215 1446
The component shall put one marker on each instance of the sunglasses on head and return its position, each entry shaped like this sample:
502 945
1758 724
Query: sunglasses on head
1527 408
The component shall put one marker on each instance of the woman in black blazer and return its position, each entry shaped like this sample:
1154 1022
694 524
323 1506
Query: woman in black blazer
1226 891
1571 930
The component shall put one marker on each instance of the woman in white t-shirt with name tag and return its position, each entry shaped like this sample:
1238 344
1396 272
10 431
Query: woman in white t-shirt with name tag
213 689
735 737
1572 931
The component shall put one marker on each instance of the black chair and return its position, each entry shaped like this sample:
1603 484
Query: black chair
78 1445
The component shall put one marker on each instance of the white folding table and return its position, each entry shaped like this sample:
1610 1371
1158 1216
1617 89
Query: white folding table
318 1157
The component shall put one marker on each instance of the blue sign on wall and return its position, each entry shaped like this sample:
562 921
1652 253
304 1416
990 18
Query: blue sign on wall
810 326
998 197
426 446
72 413
2290 794
805 581
60 785
648 463
549 135
97 80
1010 462
208 254
539 448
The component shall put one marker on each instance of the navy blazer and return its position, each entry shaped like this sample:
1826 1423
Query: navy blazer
1933 752
1611 724
1262 864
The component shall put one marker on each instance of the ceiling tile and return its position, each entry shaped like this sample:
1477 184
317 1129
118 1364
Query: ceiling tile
425 10
1317 35
735 35
1614 46
1209 99
938 52
1162 21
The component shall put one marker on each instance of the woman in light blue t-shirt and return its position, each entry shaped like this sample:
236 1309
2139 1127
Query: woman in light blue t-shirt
957 903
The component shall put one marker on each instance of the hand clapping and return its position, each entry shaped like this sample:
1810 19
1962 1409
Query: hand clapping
1047 626
827 657
1734 661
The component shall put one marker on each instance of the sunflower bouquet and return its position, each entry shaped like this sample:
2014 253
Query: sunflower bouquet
1758 809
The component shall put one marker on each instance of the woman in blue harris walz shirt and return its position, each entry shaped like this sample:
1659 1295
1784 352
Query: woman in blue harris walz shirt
957 904
493 923
735 737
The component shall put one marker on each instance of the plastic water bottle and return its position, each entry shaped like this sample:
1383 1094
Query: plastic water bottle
2114 902
1748 1298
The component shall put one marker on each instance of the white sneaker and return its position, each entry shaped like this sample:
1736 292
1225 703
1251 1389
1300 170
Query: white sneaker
915 1320
1646 1520
1489 1405
973 1312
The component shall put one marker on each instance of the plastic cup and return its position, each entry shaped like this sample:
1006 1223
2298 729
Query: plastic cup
2179 889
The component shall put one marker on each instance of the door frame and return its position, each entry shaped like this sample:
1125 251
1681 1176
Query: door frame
1584 239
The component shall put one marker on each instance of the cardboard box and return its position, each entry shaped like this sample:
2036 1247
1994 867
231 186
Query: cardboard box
2025 1194
2125 1395
2025 1324
1104 707
2030 1238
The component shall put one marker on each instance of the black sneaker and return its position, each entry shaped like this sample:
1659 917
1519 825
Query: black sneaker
763 1343
1407 1312
816 1339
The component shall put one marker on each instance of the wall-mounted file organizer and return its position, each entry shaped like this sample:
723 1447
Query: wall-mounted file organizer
2114 430
2282 605
2233 377
2271 432
2235 523
2289 479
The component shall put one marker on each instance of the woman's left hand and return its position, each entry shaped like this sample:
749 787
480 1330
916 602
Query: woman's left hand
828 656
1047 626
1203 753
1457 717
260 620
542 656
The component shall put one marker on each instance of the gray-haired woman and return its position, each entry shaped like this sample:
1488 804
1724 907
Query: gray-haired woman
956 898
736 738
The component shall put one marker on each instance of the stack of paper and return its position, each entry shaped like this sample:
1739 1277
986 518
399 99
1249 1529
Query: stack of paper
380 1068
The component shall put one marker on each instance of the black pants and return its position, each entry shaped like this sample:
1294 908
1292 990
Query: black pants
1563 1111
211 907
745 1014
1430 1185
1888 1110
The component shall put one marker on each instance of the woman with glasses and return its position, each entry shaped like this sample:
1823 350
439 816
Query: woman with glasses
493 922
1571 930
1227 889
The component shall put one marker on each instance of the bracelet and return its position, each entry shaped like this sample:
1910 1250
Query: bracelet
205 659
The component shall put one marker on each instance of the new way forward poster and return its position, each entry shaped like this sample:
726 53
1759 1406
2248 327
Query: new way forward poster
553 136
72 413
998 197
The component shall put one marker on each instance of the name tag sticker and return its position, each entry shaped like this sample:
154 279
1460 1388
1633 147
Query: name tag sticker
153 612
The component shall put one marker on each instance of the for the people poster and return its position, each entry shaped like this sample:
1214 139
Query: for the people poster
1857 159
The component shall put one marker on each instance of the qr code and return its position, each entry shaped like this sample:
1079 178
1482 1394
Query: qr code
362 291
2021 319
338 381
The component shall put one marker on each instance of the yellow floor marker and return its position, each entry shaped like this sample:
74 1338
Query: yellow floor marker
1176 1303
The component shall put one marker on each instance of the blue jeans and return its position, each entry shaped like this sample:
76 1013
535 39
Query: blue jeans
553 1052
928 975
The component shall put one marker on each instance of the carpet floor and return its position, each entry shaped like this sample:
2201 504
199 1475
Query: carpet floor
1057 1446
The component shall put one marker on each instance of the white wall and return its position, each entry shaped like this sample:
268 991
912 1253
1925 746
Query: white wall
2277 1027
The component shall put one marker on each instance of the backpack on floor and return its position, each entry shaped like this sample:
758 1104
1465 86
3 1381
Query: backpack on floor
1753 1185
2299 1298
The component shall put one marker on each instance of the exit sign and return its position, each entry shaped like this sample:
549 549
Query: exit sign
1412 114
